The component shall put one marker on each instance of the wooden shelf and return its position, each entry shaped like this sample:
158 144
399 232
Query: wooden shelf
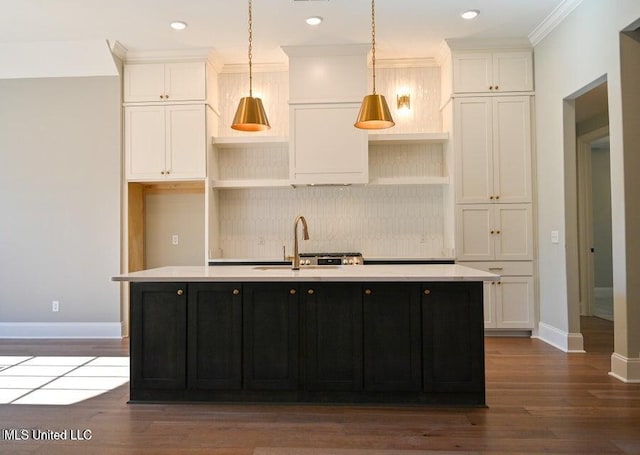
408 138
242 141
410 181
236 184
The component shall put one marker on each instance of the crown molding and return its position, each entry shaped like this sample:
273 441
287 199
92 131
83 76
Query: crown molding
552 20
183 55
406 63
118 49
232 68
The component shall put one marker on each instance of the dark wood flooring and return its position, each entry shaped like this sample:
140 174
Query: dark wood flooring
540 401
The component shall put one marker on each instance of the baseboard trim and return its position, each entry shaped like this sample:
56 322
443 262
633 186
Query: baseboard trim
565 341
625 369
61 330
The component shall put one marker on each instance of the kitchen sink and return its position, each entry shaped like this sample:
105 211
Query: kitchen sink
304 267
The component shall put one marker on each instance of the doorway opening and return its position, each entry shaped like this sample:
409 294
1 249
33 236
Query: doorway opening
593 191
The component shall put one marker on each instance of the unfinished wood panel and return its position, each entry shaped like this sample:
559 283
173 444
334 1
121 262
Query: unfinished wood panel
136 227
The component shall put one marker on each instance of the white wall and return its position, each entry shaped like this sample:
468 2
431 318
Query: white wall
60 206
582 49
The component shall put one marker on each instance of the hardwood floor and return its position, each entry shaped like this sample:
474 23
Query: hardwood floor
540 400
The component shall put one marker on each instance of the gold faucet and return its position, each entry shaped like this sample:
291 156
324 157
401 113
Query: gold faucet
295 264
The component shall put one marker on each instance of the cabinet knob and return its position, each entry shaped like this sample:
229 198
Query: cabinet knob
427 292
161 97
166 97
497 232
310 291
497 197
367 291
495 88
162 172
292 291
180 292
499 283
492 232
493 283
491 87
491 197
168 172
236 291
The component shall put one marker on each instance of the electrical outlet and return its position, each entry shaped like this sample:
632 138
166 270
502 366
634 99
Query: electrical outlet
174 239
55 306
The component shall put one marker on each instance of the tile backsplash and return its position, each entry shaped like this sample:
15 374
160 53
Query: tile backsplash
379 221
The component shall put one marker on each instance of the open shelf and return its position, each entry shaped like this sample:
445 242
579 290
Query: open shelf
262 183
246 141
410 181
408 138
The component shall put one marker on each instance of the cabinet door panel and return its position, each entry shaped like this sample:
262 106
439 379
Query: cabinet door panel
392 337
472 72
473 146
474 238
333 338
489 304
453 337
185 81
186 141
215 336
512 149
270 326
158 335
144 142
143 82
514 303
515 238
512 71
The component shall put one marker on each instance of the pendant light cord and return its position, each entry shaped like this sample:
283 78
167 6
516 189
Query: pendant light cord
250 49
373 42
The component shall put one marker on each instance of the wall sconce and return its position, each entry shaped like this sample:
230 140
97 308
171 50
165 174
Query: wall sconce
403 102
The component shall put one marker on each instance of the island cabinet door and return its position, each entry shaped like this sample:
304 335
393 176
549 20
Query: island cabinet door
333 336
158 335
453 337
270 336
392 341
215 336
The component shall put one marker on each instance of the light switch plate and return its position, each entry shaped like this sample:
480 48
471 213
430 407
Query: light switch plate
555 236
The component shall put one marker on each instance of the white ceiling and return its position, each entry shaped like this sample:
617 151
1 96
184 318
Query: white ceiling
405 28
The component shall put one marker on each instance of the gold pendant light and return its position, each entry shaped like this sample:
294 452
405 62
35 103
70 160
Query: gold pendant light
374 111
250 115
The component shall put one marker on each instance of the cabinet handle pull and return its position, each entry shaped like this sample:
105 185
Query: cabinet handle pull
367 291
310 291
495 268
427 292
180 292
236 291
292 291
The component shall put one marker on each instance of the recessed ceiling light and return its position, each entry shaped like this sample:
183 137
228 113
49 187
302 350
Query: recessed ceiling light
178 25
314 20
471 14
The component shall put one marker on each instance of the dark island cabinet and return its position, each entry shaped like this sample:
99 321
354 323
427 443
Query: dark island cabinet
215 336
158 341
332 336
453 338
392 337
270 338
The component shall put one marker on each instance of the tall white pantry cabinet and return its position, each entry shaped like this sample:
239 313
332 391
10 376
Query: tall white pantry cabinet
487 103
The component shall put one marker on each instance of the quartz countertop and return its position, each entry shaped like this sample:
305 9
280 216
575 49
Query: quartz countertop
279 273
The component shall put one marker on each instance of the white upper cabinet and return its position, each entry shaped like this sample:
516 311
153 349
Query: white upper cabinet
492 72
165 82
490 232
493 149
326 148
165 142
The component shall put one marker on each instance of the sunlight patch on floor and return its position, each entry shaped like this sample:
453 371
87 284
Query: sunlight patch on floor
59 380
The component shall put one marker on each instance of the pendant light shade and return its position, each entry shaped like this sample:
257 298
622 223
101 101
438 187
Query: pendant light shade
250 115
374 111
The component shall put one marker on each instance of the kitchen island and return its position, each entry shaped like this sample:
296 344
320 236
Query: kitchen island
350 334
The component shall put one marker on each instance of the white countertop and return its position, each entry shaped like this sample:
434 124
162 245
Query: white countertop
242 273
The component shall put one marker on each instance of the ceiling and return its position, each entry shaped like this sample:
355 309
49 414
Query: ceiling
404 28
